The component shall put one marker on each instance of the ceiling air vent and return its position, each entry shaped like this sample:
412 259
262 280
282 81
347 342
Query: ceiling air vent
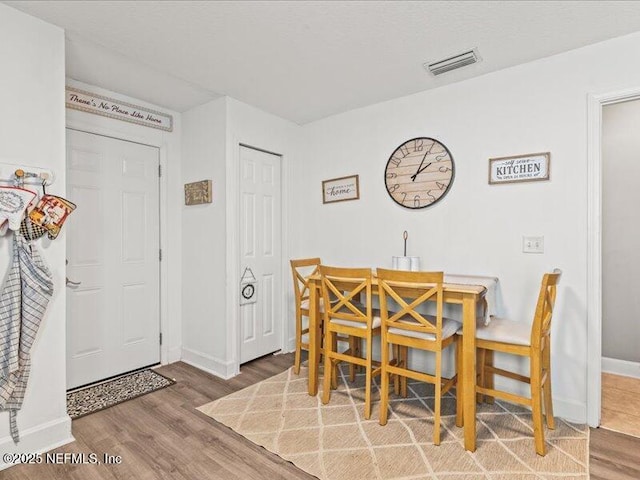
451 63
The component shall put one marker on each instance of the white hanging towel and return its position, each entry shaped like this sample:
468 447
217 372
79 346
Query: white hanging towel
23 302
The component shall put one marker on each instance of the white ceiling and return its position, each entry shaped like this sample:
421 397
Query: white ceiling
305 60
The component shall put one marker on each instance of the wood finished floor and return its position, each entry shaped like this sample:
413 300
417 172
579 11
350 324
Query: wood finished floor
162 436
621 404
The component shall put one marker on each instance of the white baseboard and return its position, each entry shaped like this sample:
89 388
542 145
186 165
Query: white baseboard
570 410
621 367
173 354
209 364
290 346
38 439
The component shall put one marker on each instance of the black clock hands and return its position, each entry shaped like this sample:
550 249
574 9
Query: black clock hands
420 169
413 177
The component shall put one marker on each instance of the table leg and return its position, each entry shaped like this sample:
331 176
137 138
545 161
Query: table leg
314 340
469 370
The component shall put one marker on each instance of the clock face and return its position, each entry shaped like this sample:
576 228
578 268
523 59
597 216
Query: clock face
419 173
247 291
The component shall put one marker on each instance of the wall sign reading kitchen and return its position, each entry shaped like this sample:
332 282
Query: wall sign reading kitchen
108 107
521 168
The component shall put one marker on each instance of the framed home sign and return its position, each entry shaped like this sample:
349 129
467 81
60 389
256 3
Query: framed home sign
521 168
340 189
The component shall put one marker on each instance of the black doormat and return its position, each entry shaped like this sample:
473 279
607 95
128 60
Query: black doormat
94 398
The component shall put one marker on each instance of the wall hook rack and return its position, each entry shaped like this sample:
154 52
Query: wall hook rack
10 173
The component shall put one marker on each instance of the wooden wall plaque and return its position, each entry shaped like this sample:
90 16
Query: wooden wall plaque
197 193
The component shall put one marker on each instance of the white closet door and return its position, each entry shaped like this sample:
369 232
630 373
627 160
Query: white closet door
260 251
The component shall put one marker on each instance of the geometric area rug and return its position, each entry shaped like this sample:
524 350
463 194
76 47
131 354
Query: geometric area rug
334 441
96 397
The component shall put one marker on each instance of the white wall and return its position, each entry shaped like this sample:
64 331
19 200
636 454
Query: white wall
253 127
620 231
171 199
32 133
204 239
211 137
477 229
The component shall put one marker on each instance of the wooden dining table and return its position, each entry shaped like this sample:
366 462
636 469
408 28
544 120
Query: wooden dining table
466 295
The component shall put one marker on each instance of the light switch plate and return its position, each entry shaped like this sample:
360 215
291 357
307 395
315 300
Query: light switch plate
533 244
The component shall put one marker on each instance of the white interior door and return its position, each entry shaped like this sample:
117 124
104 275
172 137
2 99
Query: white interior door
260 242
113 314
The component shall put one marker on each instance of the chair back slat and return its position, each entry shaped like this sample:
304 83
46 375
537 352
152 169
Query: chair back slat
342 292
301 271
410 290
544 307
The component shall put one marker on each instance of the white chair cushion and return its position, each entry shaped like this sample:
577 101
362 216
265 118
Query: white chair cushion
449 328
504 331
304 305
349 323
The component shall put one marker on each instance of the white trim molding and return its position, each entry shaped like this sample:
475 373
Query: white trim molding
570 410
215 366
39 439
621 367
595 102
233 263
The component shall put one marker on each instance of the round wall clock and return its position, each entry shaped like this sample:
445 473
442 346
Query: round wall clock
247 291
419 173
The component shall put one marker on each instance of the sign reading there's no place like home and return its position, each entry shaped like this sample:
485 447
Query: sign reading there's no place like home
109 107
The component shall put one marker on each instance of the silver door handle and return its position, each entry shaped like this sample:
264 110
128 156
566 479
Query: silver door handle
72 284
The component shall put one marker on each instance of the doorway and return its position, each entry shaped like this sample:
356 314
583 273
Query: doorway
595 105
113 248
260 252
620 262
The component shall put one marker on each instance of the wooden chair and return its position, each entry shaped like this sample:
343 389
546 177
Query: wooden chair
532 341
407 328
301 270
348 317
